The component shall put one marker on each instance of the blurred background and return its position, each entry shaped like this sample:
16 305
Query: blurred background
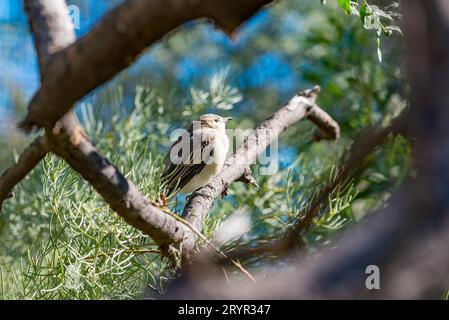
60 240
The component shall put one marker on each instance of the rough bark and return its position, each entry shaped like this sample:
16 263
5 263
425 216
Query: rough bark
113 44
32 155
51 27
406 240
124 198
52 31
300 107
70 69
290 240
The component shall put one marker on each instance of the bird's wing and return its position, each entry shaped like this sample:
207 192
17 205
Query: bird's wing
191 148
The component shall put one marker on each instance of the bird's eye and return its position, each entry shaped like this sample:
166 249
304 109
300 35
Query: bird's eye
216 120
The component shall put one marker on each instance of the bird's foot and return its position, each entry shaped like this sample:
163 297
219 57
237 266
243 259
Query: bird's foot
224 193
164 199
160 203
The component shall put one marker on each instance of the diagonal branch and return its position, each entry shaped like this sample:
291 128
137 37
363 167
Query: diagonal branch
73 146
52 30
48 22
114 43
60 58
406 240
68 140
32 155
237 169
291 240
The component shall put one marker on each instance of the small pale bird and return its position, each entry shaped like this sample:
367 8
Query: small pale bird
197 155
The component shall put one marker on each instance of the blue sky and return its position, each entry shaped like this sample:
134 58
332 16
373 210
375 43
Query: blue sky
20 71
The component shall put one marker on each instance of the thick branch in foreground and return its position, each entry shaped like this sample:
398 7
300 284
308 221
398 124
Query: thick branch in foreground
67 139
32 155
407 240
237 168
290 240
114 43
50 25
118 192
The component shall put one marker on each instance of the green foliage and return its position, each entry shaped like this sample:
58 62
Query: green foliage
275 206
220 95
71 245
61 240
373 18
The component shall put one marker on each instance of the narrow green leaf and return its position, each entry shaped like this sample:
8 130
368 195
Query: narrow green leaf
362 12
346 5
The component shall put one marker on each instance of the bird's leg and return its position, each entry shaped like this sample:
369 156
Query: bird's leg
164 199
162 203
224 193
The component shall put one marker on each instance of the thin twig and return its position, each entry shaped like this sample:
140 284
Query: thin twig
131 251
211 245
363 146
300 107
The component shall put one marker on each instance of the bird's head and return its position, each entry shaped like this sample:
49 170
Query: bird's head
213 121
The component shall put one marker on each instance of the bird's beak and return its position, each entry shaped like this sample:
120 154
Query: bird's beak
228 118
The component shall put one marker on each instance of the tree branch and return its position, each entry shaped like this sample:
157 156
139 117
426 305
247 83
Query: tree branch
51 26
237 168
17 172
329 129
407 239
52 30
291 239
69 141
73 146
113 44
48 23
